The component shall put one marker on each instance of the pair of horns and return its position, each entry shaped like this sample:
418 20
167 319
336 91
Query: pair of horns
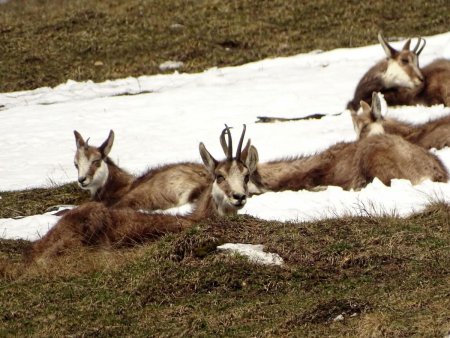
420 45
228 147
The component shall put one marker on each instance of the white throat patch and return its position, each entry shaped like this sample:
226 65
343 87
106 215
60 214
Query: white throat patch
396 76
219 198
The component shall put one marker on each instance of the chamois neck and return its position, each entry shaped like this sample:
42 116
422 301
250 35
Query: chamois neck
371 81
207 208
116 185
294 173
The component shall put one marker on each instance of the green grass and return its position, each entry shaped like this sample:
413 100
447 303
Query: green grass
386 276
389 277
39 200
45 43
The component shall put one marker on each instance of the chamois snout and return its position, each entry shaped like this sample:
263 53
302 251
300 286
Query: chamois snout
81 181
240 199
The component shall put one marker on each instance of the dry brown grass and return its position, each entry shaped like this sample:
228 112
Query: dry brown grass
45 43
393 274
386 276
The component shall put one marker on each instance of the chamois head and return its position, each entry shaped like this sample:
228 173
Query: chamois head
368 120
90 162
402 66
231 176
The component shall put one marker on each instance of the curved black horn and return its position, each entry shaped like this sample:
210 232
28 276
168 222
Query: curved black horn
241 140
86 145
223 143
419 46
230 143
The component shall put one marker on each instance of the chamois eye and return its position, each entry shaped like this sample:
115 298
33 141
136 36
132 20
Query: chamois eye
97 163
247 178
75 164
405 61
220 178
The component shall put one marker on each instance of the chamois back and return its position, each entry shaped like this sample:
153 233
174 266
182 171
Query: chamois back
398 76
433 134
353 165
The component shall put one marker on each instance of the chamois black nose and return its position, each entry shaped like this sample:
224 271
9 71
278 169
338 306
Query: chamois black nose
239 197
81 179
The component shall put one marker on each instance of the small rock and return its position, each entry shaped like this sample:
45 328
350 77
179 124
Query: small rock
338 318
176 26
171 65
98 63
255 253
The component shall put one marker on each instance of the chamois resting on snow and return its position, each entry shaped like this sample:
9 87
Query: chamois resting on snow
94 224
352 165
401 81
433 134
160 188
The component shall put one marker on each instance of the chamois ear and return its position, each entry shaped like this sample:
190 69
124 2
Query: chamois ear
252 159
375 112
105 148
407 45
79 140
244 152
365 107
388 49
362 119
209 161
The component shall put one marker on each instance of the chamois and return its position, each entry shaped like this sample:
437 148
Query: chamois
160 188
388 156
398 77
97 173
352 165
433 134
94 224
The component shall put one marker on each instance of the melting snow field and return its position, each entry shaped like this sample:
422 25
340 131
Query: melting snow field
166 116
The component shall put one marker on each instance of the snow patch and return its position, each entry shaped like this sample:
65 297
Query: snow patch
171 65
255 253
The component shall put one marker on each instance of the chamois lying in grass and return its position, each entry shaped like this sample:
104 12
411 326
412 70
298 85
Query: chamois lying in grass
94 224
352 165
402 82
160 188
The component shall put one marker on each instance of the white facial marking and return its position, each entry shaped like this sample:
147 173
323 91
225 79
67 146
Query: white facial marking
86 180
236 181
375 129
396 76
226 201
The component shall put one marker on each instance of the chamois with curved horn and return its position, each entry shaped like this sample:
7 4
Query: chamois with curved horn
353 165
94 224
400 69
159 188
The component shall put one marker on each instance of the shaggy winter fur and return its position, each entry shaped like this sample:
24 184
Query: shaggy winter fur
352 165
401 80
160 188
94 224
433 134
